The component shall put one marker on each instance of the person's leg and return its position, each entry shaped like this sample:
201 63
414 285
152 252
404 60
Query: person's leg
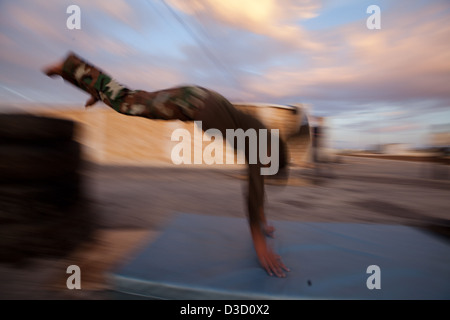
179 103
89 78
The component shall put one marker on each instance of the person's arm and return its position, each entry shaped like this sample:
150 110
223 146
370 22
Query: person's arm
259 228
268 259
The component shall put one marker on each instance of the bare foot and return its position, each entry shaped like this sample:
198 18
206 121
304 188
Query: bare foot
54 70
92 100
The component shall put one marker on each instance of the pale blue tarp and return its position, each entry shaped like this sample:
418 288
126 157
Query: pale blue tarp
207 257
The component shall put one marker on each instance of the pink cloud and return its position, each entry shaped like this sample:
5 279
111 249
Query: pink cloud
272 18
407 59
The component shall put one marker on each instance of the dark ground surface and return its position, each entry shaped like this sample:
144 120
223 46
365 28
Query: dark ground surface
145 199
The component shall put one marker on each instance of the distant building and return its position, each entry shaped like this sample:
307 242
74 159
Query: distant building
440 139
440 135
291 120
394 148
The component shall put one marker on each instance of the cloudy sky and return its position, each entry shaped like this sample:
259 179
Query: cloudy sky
390 85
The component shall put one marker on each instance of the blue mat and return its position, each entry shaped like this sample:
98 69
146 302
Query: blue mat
205 257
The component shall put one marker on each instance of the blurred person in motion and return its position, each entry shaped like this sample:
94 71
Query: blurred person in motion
185 103
317 132
320 161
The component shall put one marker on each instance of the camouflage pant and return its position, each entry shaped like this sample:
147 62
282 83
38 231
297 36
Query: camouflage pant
180 103
183 103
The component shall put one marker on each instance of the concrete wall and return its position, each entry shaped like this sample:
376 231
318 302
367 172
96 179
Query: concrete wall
112 138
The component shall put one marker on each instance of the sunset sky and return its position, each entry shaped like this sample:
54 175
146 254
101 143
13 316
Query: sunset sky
375 86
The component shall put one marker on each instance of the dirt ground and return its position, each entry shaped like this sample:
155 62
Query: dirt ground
130 206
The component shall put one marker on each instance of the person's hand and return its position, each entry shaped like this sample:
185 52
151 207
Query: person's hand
271 261
268 259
